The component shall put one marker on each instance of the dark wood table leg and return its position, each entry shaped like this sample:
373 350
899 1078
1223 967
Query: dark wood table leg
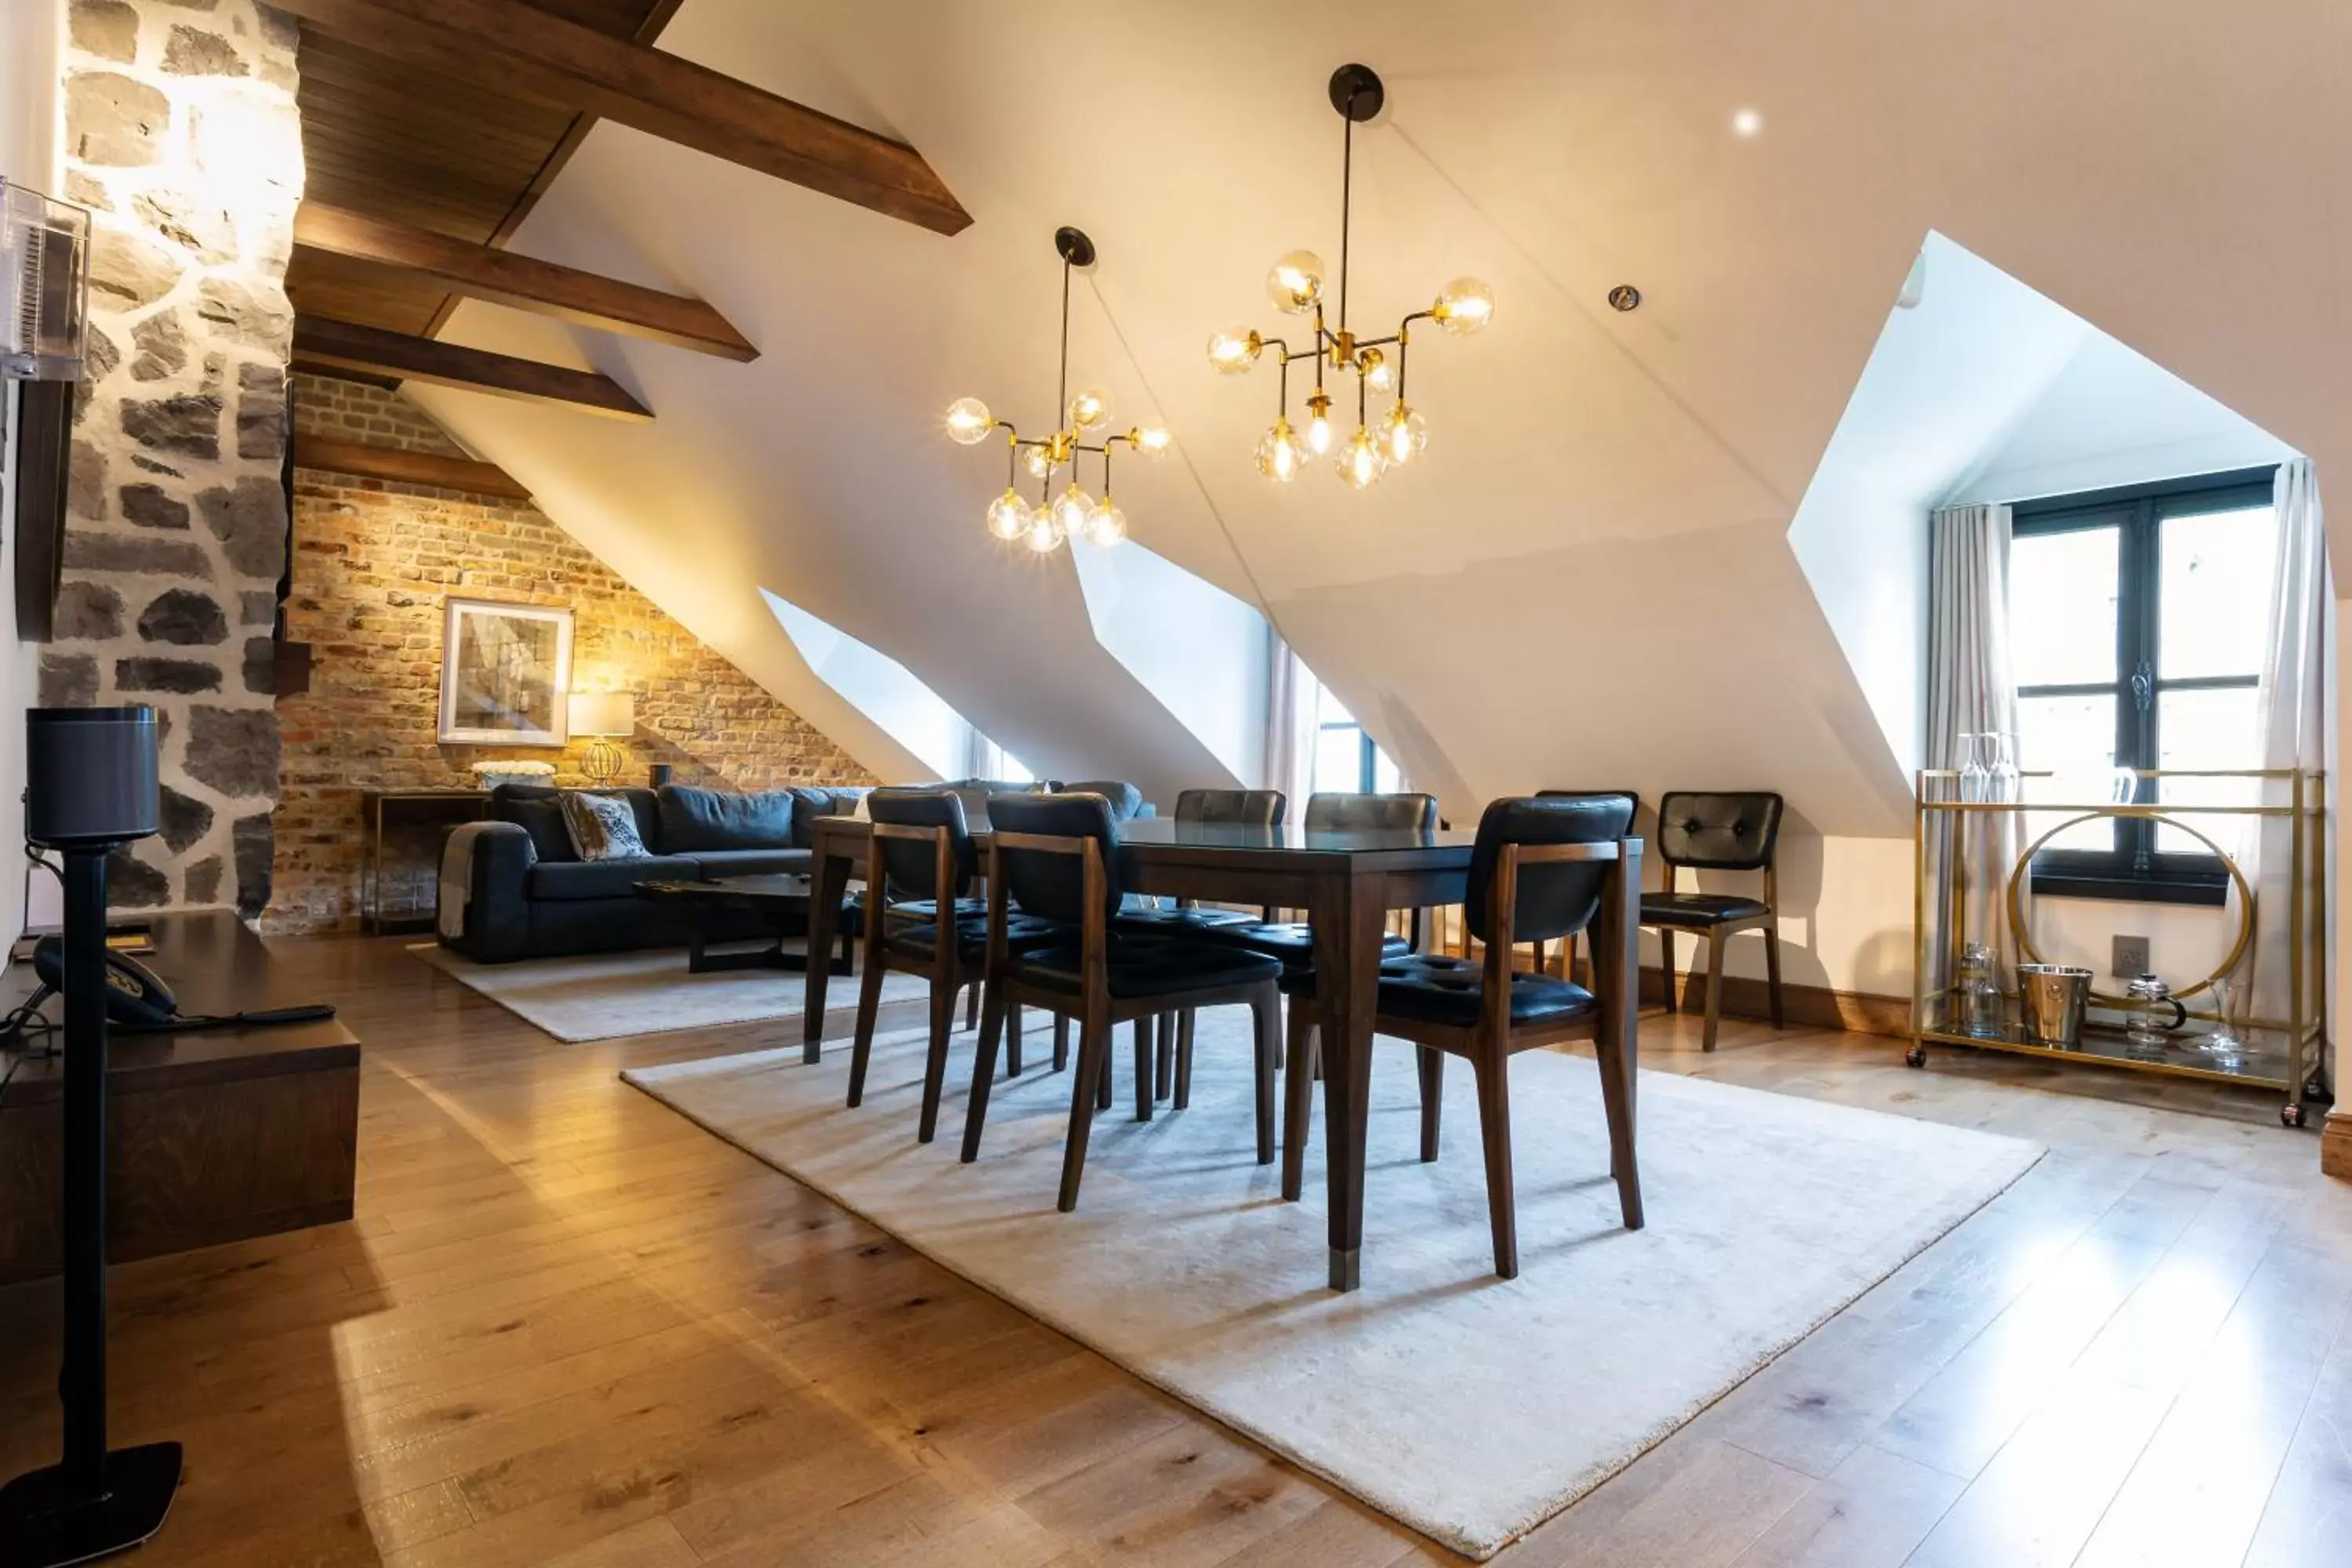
1347 916
828 882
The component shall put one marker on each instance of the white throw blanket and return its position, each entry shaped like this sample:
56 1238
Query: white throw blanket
457 880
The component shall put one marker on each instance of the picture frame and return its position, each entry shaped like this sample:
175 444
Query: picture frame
505 673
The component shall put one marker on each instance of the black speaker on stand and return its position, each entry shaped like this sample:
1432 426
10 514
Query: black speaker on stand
91 786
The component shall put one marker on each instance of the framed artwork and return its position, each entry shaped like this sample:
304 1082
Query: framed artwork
505 670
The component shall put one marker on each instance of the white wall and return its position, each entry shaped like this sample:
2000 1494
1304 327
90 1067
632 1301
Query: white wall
31 34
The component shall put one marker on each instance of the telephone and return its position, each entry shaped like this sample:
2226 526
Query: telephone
137 998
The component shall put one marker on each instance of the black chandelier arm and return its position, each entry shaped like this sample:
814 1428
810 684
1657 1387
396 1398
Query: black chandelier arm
1347 192
1062 396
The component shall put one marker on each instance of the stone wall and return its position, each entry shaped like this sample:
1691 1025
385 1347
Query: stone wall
373 563
179 130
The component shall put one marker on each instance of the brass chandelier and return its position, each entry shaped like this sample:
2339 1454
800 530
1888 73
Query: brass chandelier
1296 283
1073 514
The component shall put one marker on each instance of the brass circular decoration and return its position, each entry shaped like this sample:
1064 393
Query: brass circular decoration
2245 901
1625 296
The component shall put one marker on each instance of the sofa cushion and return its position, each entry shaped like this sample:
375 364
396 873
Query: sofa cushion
811 802
717 863
696 819
539 812
567 881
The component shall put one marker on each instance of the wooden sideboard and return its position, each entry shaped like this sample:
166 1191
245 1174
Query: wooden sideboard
214 1135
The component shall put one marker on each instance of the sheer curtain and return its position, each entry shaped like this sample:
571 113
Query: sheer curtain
1289 724
1970 691
2291 730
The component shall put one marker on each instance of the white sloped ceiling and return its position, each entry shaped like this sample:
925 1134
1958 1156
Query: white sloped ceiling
1587 579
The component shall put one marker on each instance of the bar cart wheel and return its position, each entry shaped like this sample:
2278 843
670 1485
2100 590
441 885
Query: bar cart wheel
2291 1114
1915 1057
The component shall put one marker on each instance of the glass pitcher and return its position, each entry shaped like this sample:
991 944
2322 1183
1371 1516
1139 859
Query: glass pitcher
2151 1013
2225 1044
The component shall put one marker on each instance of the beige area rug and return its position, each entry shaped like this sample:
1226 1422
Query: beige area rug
1469 1407
605 995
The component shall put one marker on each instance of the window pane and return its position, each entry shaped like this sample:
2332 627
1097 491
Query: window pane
2206 729
1386 779
1339 759
2062 608
2216 592
1327 709
2074 739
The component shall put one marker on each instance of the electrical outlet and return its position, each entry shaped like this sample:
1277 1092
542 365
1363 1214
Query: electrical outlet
2130 960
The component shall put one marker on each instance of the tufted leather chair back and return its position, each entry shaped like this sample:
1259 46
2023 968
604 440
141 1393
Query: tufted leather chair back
1719 832
1593 794
913 868
1051 885
1126 799
1333 813
1232 807
1554 901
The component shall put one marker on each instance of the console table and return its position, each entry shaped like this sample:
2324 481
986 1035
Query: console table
215 1135
390 808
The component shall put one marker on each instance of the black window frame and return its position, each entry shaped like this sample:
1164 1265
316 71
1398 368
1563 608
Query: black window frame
2134 868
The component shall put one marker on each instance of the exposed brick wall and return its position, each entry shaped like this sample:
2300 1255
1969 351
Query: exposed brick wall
372 564
181 133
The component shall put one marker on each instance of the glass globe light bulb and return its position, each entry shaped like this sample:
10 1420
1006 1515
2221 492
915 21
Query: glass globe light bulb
1045 535
1360 461
1403 434
1378 373
1070 509
1234 350
1106 524
1152 439
968 421
1087 409
1296 282
1464 306
1008 515
1318 434
1038 461
1280 453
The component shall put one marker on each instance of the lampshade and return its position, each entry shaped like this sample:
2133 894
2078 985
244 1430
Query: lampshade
603 713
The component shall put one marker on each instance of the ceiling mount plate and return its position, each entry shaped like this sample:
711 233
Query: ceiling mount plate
1357 92
1076 247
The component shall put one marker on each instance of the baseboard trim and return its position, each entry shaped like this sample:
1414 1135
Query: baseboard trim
1803 1006
2335 1145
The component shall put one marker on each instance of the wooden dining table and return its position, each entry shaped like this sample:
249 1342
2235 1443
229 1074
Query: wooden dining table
1347 881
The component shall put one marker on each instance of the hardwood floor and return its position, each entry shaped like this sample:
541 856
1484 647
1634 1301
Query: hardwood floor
569 1328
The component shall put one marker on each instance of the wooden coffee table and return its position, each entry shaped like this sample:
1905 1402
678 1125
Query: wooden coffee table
780 901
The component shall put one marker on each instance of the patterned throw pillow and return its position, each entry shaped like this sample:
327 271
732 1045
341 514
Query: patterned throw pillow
603 828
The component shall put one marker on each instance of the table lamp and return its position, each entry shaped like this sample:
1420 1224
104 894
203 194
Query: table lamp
603 716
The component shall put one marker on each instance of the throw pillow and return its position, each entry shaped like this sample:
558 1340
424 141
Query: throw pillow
602 826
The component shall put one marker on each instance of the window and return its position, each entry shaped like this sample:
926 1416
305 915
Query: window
2137 620
1345 760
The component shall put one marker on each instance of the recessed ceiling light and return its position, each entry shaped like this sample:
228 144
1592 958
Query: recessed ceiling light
1747 123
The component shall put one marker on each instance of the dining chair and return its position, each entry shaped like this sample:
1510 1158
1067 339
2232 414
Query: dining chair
1539 870
1566 970
1719 831
1056 857
919 848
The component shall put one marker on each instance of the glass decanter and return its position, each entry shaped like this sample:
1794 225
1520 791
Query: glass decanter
1980 1008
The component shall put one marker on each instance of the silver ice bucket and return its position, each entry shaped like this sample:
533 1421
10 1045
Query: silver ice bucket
2053 997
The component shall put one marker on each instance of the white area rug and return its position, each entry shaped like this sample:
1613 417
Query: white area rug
1469 1407
605 995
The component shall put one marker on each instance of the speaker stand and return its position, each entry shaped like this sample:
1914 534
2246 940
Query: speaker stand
95 1501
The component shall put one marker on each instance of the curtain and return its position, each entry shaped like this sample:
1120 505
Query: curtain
1970 691
2291 732
1289 725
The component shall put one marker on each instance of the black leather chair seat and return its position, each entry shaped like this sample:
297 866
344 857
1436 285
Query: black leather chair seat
1149 966
1163 920
1698 909
1290 941
1440 990
568 880
928 910
1021 932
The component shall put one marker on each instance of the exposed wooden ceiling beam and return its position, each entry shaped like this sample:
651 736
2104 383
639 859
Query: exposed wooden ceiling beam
407 468
346 345
503 277
516 47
